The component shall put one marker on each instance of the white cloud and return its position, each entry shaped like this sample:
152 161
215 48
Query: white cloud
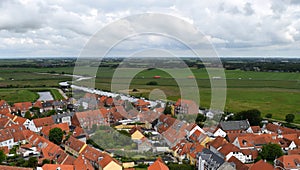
61 28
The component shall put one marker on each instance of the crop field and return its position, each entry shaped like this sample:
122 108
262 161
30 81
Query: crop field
277 93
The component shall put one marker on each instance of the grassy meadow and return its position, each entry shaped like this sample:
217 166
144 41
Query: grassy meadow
277 93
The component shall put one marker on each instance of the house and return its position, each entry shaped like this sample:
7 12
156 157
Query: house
46 129
6 138
63 118
253 141
216 144
14 168
219 132
209 160
82 163
141 104
74 146
79 133
193 151
290 162
158 165
108 163
171 129
56 167
198 136
228 150
5 121
183 106
21 121
47 106
4 104
261 165
88 118
236 126
36 125
17 133
136 133
238 164
22 107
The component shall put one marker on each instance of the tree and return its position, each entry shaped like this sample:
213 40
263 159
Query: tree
271 151
2 156
46 161
168 110
56 135
269 115
200 118
27 115
289 118
32 162
253 116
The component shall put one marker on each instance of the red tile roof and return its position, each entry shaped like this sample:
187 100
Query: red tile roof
261 165
106 160
5 135
82 164
56 166
289 161
13 168
63 126
74 143
23 106
158 165
45 121
227 148
238 164
218 142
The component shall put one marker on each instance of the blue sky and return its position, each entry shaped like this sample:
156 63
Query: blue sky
42 28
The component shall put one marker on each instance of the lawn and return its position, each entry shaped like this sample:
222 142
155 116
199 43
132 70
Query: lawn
18 95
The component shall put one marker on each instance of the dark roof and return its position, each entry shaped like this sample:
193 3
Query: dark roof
211 158
235 125
59 116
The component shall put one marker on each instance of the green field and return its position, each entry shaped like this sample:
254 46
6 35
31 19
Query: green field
277 93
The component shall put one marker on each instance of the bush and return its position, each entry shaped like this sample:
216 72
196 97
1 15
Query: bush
289 118
152 83
269 115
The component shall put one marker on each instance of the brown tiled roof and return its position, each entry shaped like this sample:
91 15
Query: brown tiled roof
13 168
74 143
218 142
5 135
92 154
105 161
22 106
261 165
63 126
45 121
82 164
158 165
38 104
193 107
78 131
290 161
238 164
56 166
294 152
227 148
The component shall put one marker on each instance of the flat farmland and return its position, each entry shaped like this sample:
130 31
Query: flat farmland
277 93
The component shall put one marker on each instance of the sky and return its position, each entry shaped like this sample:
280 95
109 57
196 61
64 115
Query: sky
62 28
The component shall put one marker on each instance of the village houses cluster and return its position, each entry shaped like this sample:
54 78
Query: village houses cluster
230 145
